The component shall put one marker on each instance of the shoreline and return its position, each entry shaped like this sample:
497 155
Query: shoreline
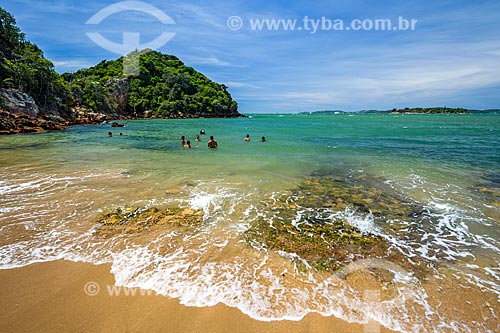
51 296
22 124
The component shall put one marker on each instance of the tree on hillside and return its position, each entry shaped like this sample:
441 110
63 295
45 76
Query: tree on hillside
24 67
10 38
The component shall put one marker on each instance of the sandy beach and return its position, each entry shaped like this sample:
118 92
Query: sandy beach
51 297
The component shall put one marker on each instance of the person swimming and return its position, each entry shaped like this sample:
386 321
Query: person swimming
263 139
188 145
212 143
247 138
197 138
183 140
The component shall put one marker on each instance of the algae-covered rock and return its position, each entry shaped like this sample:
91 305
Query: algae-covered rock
311 222
135 219
491 194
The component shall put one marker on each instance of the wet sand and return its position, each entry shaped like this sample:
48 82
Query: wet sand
51 297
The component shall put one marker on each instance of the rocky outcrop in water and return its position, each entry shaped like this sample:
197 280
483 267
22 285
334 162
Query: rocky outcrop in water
135 220
19 113
312 223
11 124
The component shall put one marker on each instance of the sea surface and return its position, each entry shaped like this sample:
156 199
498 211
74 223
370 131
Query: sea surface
53 186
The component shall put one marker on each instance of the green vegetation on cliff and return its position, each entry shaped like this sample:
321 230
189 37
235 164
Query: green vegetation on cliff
23 67
164 86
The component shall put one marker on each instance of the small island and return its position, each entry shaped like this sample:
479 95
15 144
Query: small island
414 110
433 110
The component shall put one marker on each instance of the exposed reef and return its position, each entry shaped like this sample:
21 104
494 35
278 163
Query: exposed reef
135 220
313 223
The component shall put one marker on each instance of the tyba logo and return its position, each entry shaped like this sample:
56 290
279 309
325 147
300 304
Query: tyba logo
131 40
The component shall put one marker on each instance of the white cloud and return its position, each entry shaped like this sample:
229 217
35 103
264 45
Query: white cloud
236 84
210 60
54 6
70 65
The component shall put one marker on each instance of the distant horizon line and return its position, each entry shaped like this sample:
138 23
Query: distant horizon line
328 111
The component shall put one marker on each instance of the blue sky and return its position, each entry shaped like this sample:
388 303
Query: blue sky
451 59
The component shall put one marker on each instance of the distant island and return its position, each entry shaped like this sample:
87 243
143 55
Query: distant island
433 110
34 97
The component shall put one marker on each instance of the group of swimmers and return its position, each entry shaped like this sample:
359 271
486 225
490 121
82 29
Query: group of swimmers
187 144
212 143
247 138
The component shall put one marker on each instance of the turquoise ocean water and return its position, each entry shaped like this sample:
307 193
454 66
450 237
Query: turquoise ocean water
53 185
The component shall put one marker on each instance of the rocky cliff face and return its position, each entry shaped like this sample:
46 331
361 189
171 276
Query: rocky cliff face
118 93
18 103
19 113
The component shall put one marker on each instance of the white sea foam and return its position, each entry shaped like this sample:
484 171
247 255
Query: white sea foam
365 224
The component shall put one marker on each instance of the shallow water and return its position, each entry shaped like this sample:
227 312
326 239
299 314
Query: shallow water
53 186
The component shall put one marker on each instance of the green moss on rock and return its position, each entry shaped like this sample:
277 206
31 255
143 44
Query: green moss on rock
135 219
308 222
